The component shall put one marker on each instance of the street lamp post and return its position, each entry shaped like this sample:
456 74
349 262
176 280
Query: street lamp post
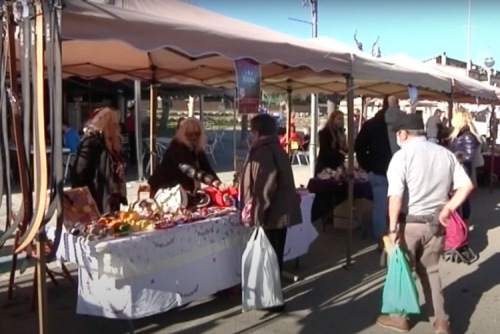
313 5
489 62
314 98
468 67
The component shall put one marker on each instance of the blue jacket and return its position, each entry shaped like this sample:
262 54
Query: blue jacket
71 139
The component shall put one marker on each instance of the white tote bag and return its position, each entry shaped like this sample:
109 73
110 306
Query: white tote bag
260 274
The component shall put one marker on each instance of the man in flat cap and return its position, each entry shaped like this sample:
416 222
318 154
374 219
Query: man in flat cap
423 173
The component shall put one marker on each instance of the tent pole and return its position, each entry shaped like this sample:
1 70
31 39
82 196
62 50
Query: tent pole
450 107
40 169
289 119
350 166
153 108
138 129
493 136
235 120
314 134
201 99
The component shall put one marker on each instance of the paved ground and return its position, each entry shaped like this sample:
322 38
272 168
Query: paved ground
329 299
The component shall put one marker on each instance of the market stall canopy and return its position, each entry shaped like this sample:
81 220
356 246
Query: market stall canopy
171 41
460 72
376 76
464 89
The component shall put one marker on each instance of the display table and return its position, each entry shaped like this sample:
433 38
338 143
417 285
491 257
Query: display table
330 193
152 272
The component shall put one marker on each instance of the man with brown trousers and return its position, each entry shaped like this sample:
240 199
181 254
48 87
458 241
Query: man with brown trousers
423 173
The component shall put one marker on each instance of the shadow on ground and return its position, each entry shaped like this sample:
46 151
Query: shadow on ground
328 295
330 299
485 217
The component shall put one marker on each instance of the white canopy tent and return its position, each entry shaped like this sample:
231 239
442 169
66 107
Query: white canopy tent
195 47
464 89
376 77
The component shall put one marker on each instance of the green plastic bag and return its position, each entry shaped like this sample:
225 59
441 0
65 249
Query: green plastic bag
400 294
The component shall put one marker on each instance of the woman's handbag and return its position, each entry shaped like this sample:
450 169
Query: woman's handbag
246 214
260 274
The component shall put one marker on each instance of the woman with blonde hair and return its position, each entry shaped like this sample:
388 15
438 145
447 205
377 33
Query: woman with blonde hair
185 162
332 143
465 143
99 164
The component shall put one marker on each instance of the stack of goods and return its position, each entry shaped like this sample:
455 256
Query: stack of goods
340 175
360 175
169 208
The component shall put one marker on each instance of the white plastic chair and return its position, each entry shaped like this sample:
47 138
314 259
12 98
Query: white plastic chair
220 141
210 150
157 153
298 153
69 161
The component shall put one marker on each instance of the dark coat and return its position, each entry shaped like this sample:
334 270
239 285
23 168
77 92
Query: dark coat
329 156
267 181
92 168
372 146
467 143
181 165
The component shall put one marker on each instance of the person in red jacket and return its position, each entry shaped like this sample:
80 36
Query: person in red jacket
294 136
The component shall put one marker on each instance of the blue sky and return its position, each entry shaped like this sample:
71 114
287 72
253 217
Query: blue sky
418 28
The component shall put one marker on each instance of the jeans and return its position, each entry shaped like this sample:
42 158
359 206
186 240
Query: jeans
433 140
379 217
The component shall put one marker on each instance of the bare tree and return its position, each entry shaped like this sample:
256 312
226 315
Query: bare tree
358 43
373 47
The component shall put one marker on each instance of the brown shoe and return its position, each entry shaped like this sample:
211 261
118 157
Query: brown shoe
442 327
396 325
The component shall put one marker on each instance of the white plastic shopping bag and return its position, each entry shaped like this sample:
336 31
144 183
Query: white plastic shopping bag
260 274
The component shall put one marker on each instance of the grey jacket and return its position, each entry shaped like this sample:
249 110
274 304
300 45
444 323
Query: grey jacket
432 126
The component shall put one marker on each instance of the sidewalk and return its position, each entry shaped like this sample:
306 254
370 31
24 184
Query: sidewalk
328 299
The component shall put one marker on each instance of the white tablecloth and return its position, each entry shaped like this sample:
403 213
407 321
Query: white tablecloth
152 272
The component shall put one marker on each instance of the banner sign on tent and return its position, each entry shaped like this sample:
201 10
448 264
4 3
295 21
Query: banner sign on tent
413 94
248 85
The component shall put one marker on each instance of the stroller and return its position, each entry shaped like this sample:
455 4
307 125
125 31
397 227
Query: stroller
456 248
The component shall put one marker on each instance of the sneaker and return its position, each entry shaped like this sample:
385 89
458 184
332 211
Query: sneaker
400 326
442 327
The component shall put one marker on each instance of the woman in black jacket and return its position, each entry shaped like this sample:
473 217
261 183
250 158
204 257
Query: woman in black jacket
185 162
99 164
464 141
332 143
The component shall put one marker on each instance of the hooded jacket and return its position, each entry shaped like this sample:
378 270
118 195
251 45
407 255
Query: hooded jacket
267 181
